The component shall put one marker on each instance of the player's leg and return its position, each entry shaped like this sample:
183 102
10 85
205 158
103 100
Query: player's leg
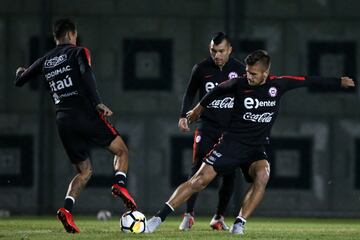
199 148
121 158
77 184
189 216
105 135
198 182
190 203
225 192
259 172
76 148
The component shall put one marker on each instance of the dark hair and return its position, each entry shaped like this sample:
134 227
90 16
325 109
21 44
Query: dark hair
219 37
258 56
62 26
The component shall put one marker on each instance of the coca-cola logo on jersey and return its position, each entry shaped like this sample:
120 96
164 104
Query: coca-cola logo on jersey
261 118
227 102
55 61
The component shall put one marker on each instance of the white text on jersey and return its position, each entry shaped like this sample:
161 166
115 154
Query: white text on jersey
251 103
61 84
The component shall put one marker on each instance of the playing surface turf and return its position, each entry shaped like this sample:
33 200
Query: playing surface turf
30 228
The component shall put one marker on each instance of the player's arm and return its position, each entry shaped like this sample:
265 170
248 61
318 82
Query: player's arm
291 82
226 87
89 82
23 75
331 82
188 99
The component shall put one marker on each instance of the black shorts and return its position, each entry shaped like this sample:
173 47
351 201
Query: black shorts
205 138
79 131
229 155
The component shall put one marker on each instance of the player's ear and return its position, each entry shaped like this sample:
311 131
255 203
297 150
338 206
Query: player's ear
266 73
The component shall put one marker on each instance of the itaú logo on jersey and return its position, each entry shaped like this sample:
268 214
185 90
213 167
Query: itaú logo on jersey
261 118
251 103
60 84
227 102
55 61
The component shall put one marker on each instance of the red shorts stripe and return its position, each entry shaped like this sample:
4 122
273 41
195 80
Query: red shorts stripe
219 141
194 145
108 124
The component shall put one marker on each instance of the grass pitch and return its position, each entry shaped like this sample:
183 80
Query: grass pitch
31 228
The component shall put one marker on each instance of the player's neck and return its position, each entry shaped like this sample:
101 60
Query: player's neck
65 41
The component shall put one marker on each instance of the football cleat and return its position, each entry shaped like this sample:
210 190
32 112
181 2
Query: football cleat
122 192
152 224
67 220
237 228
218 224
187 222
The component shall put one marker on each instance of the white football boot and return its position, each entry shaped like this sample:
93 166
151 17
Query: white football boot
152 224
187 222
218 224
238 228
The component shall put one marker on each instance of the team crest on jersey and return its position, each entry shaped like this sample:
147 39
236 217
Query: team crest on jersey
198 139
273 91
233 75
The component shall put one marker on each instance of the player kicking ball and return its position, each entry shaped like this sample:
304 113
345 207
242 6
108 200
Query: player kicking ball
81 117
256 106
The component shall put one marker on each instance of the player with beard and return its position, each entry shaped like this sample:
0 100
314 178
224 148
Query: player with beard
205 75
257 102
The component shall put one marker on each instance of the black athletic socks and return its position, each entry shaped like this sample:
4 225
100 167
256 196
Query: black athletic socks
120 179
165 211
190 203
69 203
240 219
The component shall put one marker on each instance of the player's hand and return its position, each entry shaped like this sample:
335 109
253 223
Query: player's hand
347 82
183 125
194 114
20 70
104 110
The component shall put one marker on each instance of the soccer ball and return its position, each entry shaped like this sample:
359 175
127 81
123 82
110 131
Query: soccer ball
103 215
133 222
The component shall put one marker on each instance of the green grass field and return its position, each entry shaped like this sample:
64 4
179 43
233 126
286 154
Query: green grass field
29 228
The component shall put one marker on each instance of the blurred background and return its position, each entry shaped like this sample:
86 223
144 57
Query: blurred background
142 54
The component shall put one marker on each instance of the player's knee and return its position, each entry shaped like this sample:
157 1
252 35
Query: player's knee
84 168
118 147
86 173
